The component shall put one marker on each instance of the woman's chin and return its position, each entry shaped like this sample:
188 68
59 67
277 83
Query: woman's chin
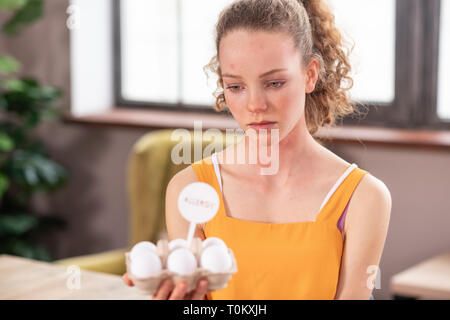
263 137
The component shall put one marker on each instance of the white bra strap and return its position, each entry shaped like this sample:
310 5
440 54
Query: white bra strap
216 169
337 184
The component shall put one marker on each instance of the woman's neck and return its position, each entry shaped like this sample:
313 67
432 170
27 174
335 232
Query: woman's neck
296 156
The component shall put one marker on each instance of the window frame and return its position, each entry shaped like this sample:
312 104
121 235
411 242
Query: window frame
416 78
432 14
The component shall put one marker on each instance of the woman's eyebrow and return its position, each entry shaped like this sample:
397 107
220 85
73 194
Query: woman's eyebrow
227 75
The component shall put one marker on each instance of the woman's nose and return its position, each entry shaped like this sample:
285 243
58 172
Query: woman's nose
256 102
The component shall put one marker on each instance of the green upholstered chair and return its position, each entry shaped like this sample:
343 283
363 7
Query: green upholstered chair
150 169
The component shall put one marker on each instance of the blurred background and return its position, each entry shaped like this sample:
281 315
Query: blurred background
83 81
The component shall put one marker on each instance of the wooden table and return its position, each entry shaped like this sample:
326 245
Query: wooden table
27 279
429 279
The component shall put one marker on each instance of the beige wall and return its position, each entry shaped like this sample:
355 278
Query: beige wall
95 202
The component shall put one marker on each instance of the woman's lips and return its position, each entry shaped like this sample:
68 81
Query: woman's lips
259 126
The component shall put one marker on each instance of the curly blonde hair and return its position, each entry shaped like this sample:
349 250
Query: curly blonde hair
311 25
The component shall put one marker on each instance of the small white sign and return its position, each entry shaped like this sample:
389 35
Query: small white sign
198 202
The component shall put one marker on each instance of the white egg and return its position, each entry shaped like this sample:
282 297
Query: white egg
213 241
181 261
146 264
215 259
143 246
178 243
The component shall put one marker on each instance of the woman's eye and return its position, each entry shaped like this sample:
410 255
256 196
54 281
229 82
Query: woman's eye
233 88
276 84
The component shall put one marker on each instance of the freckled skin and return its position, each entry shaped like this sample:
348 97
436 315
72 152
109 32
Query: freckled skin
250 54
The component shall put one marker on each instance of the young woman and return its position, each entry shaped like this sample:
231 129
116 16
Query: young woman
282 62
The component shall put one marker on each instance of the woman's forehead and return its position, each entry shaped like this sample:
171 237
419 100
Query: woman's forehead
256 40
262 50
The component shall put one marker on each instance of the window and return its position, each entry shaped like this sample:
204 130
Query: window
161 47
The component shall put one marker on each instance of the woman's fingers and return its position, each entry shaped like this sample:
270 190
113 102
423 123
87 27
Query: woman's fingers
163 291
200 291
127 280
179 293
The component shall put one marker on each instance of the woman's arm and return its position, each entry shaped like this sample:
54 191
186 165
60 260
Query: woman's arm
177 226
366 228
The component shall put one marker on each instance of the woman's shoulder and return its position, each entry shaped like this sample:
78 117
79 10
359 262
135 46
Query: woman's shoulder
368 188
182 178
371 188
188 174
371 199
370 205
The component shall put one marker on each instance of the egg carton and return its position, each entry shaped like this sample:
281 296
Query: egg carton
150 285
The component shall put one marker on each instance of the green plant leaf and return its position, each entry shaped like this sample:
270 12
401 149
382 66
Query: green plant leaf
32 119
8 65
4 184
3 102
14 85
32 11
35 171
31 175
46 94
41 253
9 5
18 100
6 142
26 248
15 132
16 224
30 101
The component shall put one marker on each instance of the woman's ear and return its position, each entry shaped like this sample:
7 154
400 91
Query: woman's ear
312 75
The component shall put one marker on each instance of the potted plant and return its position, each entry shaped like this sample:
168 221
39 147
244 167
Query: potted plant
25 164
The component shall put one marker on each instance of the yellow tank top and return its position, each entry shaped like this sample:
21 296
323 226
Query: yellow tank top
289 261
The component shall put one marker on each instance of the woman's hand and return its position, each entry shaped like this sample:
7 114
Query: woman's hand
167 292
